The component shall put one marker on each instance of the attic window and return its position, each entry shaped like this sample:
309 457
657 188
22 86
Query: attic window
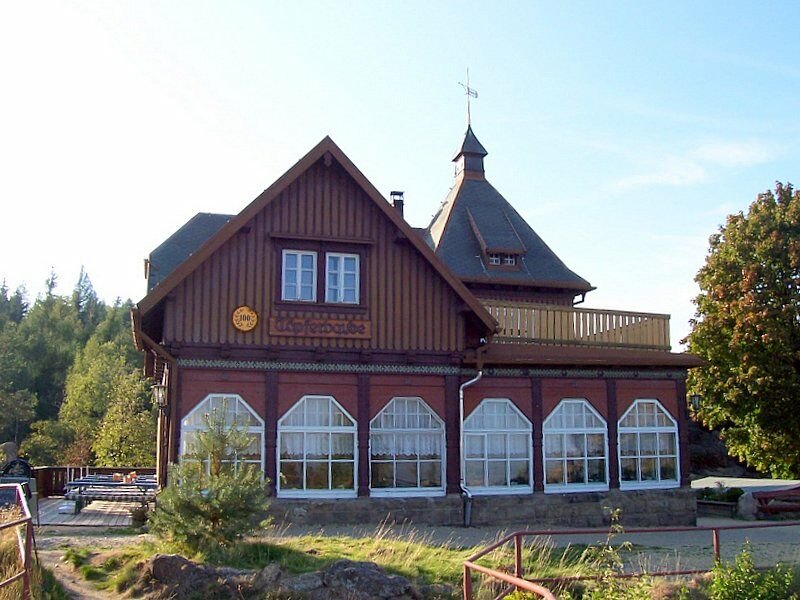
497 259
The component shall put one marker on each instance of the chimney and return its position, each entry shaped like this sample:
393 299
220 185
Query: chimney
397 201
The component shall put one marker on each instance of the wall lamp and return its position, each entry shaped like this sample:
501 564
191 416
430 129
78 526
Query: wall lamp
160 395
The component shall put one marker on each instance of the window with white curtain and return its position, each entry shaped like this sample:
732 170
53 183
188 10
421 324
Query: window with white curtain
317 449
406 450
497 443
648 447
575 448
232 411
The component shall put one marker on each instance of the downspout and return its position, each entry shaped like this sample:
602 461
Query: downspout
466 494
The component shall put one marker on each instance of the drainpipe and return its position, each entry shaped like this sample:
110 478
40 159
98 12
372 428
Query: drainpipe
466 494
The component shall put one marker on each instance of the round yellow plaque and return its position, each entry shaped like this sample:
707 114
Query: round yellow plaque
244 318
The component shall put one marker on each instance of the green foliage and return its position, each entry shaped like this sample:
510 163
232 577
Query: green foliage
209 503
743 581
48 340
720 494
127 433
46 443
14 307
747 329
18 409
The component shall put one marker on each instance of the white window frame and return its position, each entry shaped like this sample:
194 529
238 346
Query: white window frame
250 430
376 429
284 271
509 260
638 430
315 429
495 259
338 285
547 429
527 431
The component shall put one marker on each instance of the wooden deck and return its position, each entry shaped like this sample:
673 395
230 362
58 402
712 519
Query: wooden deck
527 323
99 513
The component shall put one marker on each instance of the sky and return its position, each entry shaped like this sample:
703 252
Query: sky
623 132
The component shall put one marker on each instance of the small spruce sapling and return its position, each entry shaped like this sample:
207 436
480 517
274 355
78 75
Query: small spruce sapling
213 499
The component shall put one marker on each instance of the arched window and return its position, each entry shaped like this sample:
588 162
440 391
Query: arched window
317 450
497 448
406 443
575 448
231 411
648 447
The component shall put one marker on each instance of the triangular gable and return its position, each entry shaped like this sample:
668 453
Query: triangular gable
227 231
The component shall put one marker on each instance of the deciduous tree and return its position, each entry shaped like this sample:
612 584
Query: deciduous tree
747 328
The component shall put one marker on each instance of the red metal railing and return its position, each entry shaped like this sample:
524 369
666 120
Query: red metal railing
24 547
517 581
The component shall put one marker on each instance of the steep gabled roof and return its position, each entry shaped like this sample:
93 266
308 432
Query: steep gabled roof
326 148
476 219
181 245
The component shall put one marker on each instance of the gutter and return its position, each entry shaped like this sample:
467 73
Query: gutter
466 494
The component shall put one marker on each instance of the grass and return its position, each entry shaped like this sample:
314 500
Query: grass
399 550
43 584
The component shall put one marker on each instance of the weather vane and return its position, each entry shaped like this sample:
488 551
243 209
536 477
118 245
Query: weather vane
470 93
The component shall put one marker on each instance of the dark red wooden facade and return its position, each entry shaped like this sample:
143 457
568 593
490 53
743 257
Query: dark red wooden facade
417 331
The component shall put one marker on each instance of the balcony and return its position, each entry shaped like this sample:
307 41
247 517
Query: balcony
526 323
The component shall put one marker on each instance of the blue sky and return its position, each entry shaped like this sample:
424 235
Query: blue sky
624 132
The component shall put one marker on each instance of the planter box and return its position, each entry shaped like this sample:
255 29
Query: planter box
716 508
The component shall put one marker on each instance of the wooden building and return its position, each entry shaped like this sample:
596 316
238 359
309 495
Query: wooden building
396 370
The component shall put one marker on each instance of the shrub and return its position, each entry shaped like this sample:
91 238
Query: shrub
209 502
721 494
742 581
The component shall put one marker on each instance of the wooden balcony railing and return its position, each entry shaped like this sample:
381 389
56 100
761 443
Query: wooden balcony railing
526 323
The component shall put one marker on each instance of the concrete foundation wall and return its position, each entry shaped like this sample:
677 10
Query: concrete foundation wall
639 509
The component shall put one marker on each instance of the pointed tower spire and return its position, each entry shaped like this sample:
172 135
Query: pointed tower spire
469 157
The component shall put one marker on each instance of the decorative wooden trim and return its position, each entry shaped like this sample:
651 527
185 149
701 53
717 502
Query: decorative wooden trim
440 369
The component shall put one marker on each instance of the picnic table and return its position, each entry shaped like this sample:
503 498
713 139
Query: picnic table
773 502
105 487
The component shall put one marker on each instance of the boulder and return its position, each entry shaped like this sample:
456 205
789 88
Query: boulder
301 584
366 580
266 578
180 575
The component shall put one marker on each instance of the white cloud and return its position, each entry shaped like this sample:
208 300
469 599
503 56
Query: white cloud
733 154
674 172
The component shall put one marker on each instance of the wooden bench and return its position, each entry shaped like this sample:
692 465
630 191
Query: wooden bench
778 501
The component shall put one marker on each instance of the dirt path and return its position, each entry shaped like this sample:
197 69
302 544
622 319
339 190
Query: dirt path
52 543
70 579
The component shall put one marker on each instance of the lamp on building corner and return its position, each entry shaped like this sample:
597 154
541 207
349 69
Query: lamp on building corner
160 395
695 400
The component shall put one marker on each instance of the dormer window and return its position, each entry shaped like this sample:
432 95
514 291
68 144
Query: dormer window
499 259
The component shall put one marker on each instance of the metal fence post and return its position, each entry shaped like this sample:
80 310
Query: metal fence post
517 555
467 584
